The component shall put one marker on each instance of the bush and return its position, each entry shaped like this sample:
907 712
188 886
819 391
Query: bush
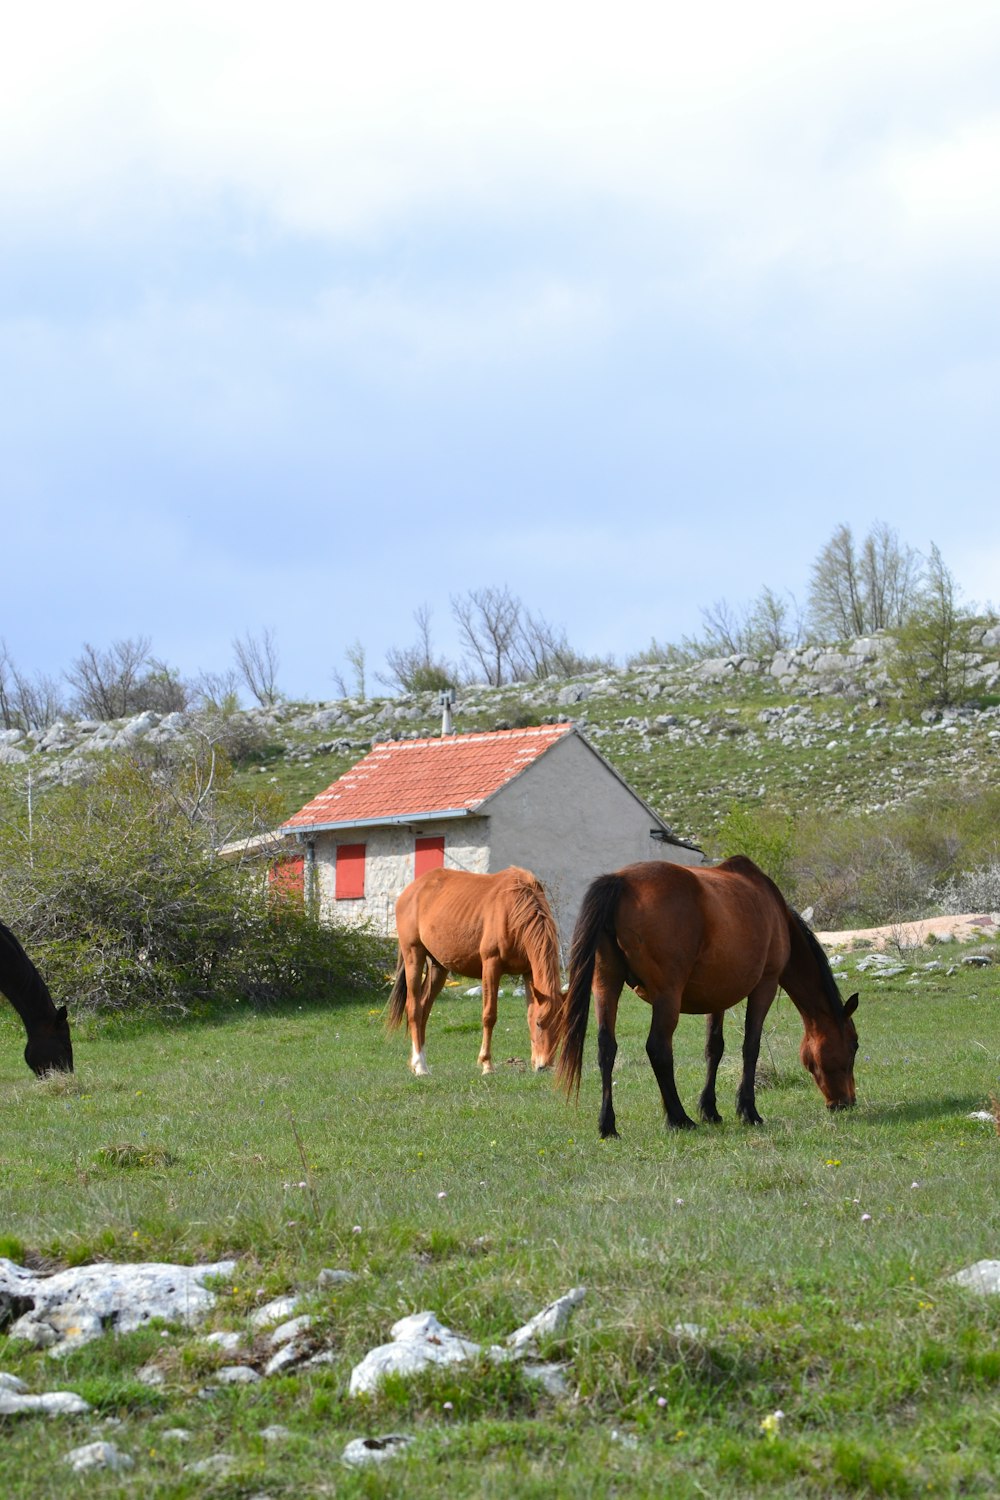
765 837
855 876
973 890
115 888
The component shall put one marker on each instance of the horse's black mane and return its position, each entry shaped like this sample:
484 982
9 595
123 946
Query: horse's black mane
829 983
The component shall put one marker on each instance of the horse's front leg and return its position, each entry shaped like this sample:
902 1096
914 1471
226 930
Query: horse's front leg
714 1048
660 1051
541 1046
758 1004
491 989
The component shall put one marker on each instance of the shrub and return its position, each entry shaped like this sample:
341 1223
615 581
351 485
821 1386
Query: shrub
116 890
765 837
973 890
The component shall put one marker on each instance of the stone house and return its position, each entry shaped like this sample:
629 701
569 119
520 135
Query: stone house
540 797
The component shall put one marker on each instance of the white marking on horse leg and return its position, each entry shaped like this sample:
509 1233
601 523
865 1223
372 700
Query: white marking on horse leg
418 1065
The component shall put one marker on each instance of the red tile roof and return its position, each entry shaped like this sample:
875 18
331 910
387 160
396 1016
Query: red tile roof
401 778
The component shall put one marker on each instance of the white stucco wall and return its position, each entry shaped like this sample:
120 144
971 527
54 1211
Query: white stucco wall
569 818
389 852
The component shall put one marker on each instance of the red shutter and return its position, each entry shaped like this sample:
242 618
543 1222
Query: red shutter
428 855
350 872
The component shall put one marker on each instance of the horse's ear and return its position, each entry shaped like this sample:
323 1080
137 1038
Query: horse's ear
850 1006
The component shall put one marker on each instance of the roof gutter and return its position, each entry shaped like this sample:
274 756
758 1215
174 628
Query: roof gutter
402 821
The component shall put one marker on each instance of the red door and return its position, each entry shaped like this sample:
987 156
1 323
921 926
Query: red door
428 854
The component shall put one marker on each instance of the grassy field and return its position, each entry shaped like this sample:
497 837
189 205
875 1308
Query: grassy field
812 1254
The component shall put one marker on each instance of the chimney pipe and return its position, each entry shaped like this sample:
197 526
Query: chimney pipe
446 701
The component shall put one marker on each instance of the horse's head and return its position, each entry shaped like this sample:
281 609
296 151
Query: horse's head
828 1051
49 1048
544 1017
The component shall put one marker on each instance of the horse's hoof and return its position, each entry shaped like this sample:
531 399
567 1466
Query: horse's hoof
419 1069
487 1068
684 1123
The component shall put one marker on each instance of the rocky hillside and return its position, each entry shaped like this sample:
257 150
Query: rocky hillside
808 731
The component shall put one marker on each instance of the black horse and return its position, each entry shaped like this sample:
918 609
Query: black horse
49 1047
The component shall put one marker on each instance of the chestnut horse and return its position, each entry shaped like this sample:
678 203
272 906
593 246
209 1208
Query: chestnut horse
449 921
697 940
49 1047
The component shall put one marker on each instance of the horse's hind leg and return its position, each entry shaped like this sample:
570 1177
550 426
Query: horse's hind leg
609 977
420 993
714 1048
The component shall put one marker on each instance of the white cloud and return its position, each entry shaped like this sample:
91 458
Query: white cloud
779 133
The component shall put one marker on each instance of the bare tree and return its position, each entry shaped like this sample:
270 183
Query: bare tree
357 658
489 624
107 683
772 622
163 689
218 691
544 651
416 669
855 591
26 702
257 660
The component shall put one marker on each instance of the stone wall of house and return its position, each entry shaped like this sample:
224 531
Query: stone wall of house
389 865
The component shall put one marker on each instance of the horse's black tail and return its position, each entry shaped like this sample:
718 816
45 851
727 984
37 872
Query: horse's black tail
397 999
596 918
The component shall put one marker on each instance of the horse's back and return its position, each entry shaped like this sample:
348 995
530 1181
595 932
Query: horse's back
712 932
458 915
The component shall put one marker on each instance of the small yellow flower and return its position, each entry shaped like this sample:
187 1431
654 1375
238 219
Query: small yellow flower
771 1425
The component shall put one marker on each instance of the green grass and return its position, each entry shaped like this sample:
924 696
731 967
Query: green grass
193 1141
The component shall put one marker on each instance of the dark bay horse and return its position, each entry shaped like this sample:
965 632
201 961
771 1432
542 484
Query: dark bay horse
697 941
49 1047
481 926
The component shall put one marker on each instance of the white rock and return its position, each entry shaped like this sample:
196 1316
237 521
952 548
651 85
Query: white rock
73 1306
274 1312
226 1338
983 1277
374 1450
51 1404
287 1356
219 1463
11 1383
290 1330
330 1277
237 1375
98 1456
419 1341
551 1320
275 1433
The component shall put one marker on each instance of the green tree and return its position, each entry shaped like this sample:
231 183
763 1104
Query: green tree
932 657
855 590
766 837
115 886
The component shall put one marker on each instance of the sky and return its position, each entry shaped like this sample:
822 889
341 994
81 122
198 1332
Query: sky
315 315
